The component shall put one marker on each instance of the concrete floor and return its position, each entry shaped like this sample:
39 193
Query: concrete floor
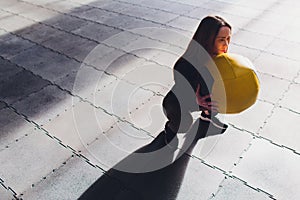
82 83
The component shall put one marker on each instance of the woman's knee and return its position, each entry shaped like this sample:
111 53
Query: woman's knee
181 123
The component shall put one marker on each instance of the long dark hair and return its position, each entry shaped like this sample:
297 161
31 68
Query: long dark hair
208 30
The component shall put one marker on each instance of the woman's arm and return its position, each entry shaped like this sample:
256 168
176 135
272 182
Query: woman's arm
204 101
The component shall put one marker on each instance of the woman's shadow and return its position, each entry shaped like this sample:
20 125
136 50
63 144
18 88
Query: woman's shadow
160 184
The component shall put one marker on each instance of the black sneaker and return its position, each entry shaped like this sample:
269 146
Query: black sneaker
214 121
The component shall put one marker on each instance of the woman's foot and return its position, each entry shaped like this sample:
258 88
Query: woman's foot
214 121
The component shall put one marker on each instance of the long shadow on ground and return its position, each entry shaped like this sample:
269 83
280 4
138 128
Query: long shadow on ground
161 184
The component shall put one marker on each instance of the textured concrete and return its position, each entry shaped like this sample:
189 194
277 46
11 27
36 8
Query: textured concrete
290 98
44 105
75 176
33 150
270 170
6 194
8 69
48 70
266 82
2 105
19 86
13 127
277 125
117 143
81 88
12 45
222 151
232 189
260 111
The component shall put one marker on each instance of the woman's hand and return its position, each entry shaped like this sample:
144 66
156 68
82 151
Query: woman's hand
203 102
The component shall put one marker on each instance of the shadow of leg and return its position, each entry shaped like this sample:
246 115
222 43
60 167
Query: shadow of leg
159 184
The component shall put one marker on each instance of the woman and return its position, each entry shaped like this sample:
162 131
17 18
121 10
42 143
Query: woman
193 80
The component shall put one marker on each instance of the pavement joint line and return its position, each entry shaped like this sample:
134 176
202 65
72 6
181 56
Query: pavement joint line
25 118
207 164
274 76
257 18
280 145
262 51
124 186
249 146
241 5
14 141
195 7
166 11
266 101
240 180
254 136
259 190
32 93
51 136
81 156
246 184
236 127
58 52
291 110
179 2
283 95
271 113
51 172
257 136
264 34
74 153
17 52
153 8
62 13
265 51
10 190
125 30
22 71
41 44
2 184
241 156
214 194
89 102
38 44
118 28
136 17
232 3
53 84
229 174
64 163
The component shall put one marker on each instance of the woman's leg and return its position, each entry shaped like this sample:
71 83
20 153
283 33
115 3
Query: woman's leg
205 89
179 118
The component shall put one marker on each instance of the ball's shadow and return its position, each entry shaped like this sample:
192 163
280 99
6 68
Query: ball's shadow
160 184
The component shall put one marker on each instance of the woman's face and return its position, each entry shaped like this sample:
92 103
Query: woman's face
222 40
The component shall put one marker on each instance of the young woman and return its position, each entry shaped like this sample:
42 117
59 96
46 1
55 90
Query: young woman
193 82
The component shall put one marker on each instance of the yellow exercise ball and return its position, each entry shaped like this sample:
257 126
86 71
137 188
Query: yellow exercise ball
236 85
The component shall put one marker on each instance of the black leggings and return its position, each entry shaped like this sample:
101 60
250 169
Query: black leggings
178 111
179 116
